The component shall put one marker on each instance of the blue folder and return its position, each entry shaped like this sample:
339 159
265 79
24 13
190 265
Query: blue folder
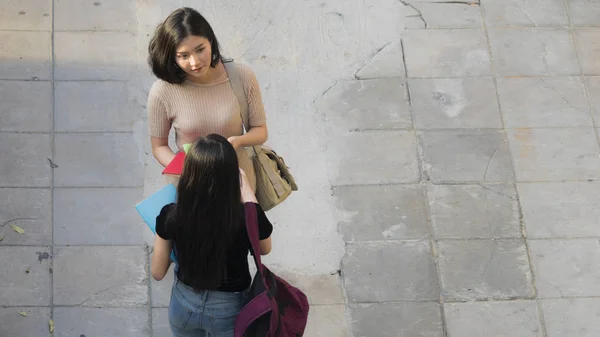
150 207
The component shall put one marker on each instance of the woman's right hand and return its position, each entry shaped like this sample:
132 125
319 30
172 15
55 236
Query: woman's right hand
247 192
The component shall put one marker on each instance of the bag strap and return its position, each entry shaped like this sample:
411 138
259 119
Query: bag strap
240 93
251 220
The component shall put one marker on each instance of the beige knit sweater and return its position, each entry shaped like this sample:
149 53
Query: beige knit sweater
195 110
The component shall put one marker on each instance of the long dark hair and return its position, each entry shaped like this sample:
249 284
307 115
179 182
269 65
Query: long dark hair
208 212
181 23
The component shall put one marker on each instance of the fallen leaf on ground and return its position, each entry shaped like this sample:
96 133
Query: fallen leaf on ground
18 229
51 323
1 237
27 270
23 313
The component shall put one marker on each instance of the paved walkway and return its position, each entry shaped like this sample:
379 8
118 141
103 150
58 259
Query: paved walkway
454 164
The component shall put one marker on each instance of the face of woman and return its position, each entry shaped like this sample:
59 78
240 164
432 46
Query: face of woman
194 56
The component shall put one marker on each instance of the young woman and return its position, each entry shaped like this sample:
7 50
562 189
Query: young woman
193 93
206 229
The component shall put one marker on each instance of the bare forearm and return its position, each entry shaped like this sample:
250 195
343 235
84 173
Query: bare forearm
163 154
255 136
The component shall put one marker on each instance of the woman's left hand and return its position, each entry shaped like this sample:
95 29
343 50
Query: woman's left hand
234 141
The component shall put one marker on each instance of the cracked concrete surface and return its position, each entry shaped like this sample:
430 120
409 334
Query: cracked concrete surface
447 154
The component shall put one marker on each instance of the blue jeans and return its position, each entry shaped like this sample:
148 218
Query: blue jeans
202 314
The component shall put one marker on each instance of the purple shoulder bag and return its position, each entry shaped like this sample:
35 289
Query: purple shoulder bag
273 308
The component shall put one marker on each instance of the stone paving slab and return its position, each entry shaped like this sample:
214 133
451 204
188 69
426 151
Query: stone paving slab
90 106
588 44
28 283
116 158
397 319
118 277
25 168
566 267
30 209
398 271
584 12
533 52
555 154
35 324
26 15
25 55
362 159
101 322
160 322
493 319
449 15
22 111
446 53
97 216
474 211
381 212
327 321
455 103
572 317
387 63
544 102
94 55
367 104
484 270
102 15
559 210
510 13
593 86
466 156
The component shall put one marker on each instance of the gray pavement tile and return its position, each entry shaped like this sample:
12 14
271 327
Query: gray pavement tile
381 212
572 317
26 15
104 15
321 289
544 102
94 55
359 158
12 324
474 211
160 322
25 55
449 15
565 268
446 53
102 322
533 13
28 282
397 319
584 12
555 154
161 290
29 208
367 104
484 270
593 86
493 319
389 272
95 106
98 216
560 209
467 156
97 160
26 106
25 160
519 52
455 103
386 63
588 44
108 276
327 321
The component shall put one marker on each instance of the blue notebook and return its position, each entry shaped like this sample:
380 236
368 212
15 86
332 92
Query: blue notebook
150 207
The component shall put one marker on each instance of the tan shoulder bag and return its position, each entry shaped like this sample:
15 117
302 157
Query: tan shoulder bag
274 181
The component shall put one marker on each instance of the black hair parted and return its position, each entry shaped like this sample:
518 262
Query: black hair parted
181 23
